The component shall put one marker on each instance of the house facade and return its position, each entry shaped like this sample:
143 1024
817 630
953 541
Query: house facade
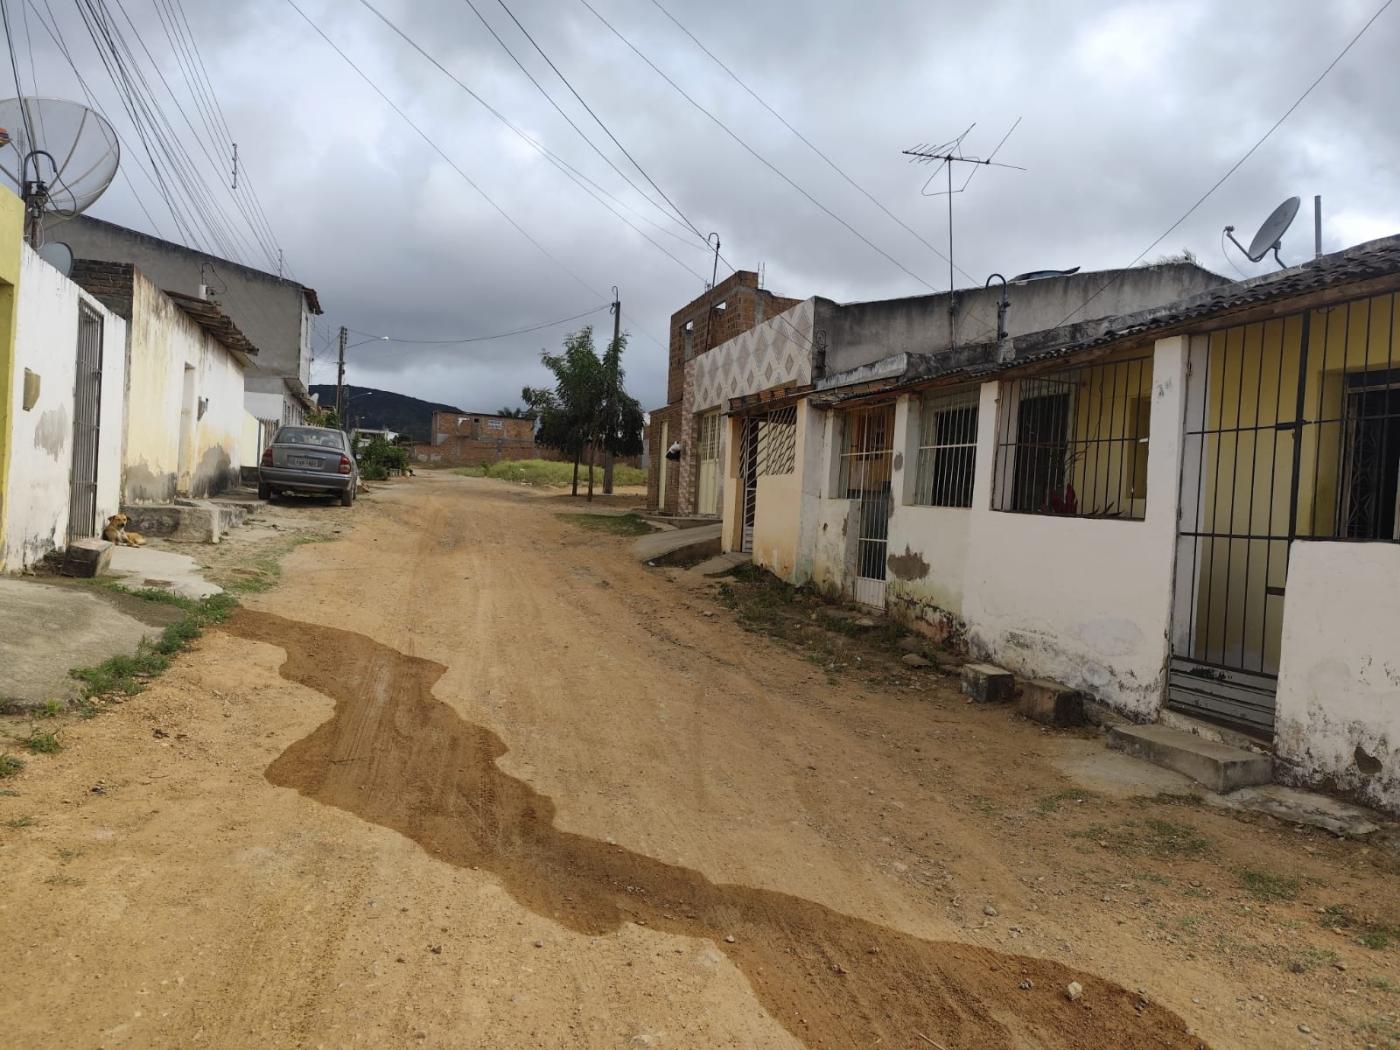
1188 512
186 366
62 403
729 309
274 313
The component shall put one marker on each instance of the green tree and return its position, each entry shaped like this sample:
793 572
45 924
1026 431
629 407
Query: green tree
588 409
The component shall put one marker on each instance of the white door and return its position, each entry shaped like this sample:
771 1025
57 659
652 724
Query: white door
662 466
708 496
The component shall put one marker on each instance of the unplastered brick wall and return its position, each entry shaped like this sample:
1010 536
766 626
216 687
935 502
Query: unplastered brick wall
480 426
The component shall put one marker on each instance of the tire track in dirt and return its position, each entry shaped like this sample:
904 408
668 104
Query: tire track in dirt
395 755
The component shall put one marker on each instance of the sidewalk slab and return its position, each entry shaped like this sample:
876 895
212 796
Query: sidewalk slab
660 544
151 567
47 628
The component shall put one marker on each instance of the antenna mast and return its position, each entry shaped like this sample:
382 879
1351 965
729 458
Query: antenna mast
948 154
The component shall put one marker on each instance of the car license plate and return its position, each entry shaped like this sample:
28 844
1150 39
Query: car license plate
309 462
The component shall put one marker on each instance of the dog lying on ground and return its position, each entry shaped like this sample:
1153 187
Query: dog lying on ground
116 532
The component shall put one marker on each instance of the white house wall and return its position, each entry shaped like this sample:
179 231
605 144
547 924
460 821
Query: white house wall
1338 717
164 341
41 440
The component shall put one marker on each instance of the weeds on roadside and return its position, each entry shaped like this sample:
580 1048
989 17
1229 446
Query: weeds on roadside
546 472
617 524
1162 838
1310 959
38 743
10 765
20 822
49 709
1373 935
1051 803
1268 885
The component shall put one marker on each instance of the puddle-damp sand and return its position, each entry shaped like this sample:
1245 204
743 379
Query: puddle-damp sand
395 755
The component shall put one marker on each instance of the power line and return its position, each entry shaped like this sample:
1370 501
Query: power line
599 120
550 99
558 161
484 338
1236 166
754 153
808 142
438 150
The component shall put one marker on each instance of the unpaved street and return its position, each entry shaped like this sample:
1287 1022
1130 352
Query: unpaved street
470 776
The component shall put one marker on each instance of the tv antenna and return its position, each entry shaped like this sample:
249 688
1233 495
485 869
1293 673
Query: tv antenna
1270 235
947 154
59 157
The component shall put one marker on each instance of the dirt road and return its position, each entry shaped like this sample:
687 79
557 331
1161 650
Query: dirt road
471 777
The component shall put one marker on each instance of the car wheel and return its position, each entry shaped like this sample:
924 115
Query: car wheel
264 491
347 496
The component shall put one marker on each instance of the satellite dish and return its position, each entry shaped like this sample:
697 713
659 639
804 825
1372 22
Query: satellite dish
59 256
1040 275
1270 235
57 155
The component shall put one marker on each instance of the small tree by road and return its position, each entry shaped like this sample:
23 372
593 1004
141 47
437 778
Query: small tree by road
588 409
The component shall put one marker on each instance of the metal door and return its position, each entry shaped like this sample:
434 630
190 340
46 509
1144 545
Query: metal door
748 473
866 459
1289 436
87 419
708 482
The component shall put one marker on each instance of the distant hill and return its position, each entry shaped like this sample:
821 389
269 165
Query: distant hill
385 409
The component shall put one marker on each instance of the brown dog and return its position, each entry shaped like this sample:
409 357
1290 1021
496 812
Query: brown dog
115 532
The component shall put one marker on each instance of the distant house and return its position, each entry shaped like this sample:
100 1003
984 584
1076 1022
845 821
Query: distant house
470 439
62 404
186 368
274 313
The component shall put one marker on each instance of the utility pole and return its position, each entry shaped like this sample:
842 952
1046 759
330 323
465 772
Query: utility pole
340 381
612 391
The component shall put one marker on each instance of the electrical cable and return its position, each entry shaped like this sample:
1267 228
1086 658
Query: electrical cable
755 154
1233 167
373 336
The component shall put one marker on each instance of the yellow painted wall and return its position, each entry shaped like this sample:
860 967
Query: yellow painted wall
11 236
1251 385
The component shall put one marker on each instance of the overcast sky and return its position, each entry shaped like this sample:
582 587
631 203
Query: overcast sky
1129 111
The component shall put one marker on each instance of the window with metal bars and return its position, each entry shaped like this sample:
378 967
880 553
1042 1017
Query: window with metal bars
866 449
1074 442
776 441
943 469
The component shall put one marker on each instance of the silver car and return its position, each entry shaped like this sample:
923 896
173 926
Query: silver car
309 459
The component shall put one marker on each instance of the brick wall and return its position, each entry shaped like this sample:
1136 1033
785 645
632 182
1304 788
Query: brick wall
109 283
481 426
729 309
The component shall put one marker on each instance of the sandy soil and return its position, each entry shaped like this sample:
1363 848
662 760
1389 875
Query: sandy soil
470 777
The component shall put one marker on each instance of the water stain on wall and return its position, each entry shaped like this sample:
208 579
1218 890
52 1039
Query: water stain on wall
53 431
395 755
908 566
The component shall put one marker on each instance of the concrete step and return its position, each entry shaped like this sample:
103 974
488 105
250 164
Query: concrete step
1218 766
722 564
1050 703
988 683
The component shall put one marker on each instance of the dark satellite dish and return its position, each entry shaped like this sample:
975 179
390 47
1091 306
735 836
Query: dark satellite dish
59 256
1270 235
1040 275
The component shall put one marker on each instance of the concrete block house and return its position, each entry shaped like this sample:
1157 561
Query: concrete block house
1189 509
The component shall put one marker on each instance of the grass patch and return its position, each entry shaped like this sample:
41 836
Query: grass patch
1382 984
1268 885
1310 959
49 709
549 473
1369 934
62 880
10 765
617 524
1051 803
1161 838
20 822
37 743
127 675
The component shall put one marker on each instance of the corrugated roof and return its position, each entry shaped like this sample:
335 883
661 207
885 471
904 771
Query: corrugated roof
216 323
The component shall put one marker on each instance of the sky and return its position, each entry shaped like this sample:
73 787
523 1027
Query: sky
1124 115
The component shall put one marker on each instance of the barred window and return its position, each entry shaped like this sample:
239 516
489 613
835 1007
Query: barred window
943 470
1074 442
774 439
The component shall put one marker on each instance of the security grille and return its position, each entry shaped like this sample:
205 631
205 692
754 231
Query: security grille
1292 433
1074 442
708 493
947 450
87 418
866 453
769 446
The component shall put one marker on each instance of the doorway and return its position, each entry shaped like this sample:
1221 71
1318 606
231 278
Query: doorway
708 490
87 423
187 421
867 452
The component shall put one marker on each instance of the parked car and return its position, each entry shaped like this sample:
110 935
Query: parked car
309 459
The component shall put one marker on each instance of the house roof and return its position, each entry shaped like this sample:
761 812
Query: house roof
216 323
1364 269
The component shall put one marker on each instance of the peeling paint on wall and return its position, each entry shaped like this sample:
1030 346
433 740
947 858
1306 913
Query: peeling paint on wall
907 566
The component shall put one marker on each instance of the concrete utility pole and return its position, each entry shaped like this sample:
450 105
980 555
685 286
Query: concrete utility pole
617 334
340 381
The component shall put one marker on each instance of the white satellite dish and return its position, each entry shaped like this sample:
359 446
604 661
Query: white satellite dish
57 155
59 256
1270 235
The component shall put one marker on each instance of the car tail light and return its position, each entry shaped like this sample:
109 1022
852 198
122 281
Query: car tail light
267 456
344 465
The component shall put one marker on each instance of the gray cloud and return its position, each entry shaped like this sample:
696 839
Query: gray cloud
1130 111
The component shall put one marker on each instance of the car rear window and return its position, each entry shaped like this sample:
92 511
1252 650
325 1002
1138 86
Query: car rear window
310 436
